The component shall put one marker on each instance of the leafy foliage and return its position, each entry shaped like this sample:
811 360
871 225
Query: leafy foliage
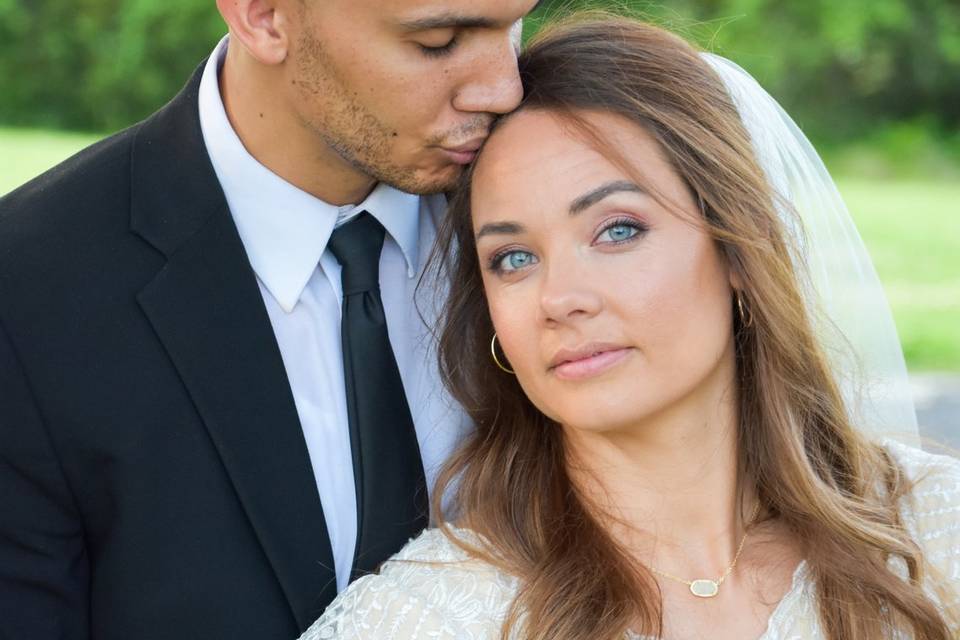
98 64
842 67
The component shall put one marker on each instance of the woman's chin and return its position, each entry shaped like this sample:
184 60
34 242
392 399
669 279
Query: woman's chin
593 417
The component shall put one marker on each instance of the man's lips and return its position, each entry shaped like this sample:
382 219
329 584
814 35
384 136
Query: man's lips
464 153
587 360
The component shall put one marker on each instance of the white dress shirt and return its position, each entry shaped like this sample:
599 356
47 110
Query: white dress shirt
285 231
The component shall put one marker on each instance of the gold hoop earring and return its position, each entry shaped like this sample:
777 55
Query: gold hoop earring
493 352
746 318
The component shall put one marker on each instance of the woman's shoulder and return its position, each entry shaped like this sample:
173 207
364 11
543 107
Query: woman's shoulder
436 545
935 478
931 512
432 589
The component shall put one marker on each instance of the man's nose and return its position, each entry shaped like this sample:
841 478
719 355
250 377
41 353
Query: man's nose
494 86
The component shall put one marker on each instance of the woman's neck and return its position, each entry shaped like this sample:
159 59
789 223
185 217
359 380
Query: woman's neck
669 489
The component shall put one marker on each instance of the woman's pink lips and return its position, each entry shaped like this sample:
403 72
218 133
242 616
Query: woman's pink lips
591 365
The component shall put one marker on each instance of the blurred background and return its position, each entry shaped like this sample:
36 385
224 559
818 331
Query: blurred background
874 83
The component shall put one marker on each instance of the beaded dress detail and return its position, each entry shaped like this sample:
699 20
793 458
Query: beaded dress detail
433 590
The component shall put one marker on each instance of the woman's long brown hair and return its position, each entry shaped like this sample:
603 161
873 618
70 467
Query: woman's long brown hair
835 491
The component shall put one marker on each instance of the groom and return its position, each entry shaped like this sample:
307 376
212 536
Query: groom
215 387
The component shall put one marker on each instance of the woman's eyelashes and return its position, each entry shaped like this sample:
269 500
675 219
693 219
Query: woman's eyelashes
618 231
510 260
621 231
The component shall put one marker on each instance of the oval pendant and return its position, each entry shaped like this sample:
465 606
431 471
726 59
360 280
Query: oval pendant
704 588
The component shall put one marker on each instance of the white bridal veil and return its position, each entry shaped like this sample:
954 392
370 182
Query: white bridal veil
852 316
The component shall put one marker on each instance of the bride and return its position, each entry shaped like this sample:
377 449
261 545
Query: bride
662 448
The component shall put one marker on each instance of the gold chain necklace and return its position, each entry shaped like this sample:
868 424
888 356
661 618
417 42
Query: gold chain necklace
703 587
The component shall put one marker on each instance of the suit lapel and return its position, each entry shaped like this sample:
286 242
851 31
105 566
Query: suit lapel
208 312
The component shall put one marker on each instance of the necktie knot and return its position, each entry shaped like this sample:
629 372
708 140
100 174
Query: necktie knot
356 246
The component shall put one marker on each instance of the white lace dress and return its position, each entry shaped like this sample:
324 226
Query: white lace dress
433 590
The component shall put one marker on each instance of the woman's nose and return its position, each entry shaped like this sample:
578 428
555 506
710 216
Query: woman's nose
568 293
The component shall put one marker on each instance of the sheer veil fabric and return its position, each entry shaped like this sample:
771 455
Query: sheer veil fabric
844 294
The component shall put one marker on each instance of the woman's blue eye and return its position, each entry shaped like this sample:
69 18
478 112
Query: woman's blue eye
514 260
619 232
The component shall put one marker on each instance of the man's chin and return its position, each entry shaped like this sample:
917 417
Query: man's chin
441 180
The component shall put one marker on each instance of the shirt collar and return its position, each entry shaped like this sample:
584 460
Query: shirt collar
285 229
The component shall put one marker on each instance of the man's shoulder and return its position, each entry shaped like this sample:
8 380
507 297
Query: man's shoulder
93 181
96 176
70 221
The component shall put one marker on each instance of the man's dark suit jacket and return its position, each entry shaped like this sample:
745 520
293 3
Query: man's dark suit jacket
154 478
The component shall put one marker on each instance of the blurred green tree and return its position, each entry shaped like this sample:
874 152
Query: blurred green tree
841 67
98 64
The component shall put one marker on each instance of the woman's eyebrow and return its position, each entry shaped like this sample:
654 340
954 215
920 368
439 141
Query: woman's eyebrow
494 228
580 204
594 196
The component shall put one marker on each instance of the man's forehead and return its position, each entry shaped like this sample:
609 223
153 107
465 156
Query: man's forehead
426 13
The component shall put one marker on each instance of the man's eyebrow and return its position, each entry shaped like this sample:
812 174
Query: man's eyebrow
594 196
447 21
454 21
493 228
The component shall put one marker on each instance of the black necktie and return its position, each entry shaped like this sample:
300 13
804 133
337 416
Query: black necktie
392 502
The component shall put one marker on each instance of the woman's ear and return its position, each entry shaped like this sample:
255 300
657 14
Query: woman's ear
260 26
731 261
736 282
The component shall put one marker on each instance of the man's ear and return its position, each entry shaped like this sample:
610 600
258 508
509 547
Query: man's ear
260 26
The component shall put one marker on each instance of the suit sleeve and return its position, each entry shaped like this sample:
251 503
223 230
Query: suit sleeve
44 569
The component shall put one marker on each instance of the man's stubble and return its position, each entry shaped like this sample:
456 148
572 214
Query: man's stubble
347 127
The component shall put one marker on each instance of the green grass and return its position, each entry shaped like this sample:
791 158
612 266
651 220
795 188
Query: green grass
25 153
911 227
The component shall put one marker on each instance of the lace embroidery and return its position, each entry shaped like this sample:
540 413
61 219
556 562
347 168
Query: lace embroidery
433 590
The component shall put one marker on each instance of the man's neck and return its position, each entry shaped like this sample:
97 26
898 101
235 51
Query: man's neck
279 141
